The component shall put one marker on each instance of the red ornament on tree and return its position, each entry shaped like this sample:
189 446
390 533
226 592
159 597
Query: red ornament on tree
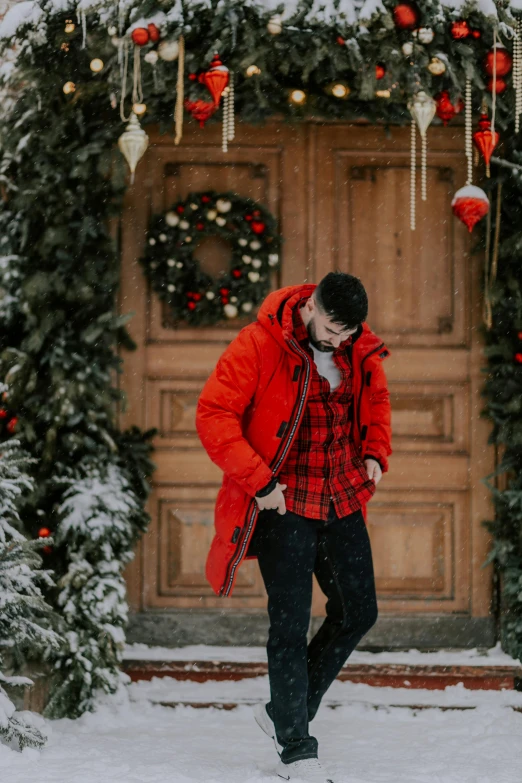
499 85
504 62
154 32
379 71
11 425
485 141
257 226
44 532
140 36
200 110
236 273
518 358
216 79
476 33
191 305
3 413
205 199
460 30
180 209
520 335
200 226
470 204
406 16
340 40
446 110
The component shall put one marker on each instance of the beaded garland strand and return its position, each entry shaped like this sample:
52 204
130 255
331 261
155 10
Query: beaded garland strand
191 294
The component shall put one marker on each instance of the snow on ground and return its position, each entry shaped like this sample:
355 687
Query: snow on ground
202 652
131 740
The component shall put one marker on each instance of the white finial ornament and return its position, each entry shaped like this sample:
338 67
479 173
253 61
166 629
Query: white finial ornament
132 143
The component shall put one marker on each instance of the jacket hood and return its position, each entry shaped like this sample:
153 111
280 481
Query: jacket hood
275 315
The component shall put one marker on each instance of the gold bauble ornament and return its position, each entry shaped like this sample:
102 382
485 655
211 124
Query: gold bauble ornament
297 97
252 70
132 143
338 90
168 50
275 24
70 27
96 65
436 66
383 93
69 87
139 108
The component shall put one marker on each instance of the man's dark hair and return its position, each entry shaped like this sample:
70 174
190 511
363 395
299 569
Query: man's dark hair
343 299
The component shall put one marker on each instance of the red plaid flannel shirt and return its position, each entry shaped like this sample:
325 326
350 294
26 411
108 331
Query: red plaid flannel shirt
323 464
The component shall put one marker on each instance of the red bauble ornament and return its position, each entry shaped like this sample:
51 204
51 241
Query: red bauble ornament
197 297
154 32
476 33
205 199
180 209
44 532
200 226
379 71
11 425
193 77
257 226
518 358
236 273
140 36
446 110
503 59
216 79
460 30
485 141
191 305
200 110
248 217
498 84
47 549
405 16
224 291
3 413
340 40
520 335
470 204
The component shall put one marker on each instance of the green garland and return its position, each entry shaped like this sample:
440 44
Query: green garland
61 180
176 276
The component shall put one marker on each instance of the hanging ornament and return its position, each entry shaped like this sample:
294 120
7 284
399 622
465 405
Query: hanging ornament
405 16
407 49
252 70
44 532
132 143
380 71
485 140
498 63
470 204
96 65
228 114
216 78
436 66
180 92
422 109
151 57
139 109
70 27
446 110
297 97
517 72
497 86
460 30
154 33
275 24
339 90
168 51
140 36
425 35
69 87
200 110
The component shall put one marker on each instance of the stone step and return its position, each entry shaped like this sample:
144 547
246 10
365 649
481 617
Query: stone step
394 675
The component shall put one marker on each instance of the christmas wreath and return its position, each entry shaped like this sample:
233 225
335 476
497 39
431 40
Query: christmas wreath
193 295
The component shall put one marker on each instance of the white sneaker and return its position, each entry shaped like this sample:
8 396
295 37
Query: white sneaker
265 722
309 770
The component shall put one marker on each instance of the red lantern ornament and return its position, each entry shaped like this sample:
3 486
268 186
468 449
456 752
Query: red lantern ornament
11 425
518 358
499 85
380 72
485 141
470 204
460 30
446 110
200 110
154 32
140 36
257 226
504 62
216 79
405 16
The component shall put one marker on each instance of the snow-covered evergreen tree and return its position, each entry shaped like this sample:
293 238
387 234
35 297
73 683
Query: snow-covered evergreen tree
25 618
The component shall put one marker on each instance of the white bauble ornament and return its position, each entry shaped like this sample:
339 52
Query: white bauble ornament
233 298
153 264
179 264
407 48
275 24
171 262
210 295
255 244
162 237
253 277
188 239
256 263
246 306
193 207
242 242
171 287
273 259
172 219
184 224
168 50
246 259
223 205
436 66
112 30
211 214
221 221
151 57
425 35
230 310
152 241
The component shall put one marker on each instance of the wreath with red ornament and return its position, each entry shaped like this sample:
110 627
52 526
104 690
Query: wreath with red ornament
192 295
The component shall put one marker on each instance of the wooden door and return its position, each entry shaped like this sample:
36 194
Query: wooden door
341 194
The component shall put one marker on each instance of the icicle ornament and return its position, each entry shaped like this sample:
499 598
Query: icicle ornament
422 109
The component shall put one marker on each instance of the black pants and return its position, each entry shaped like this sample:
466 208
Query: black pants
291 548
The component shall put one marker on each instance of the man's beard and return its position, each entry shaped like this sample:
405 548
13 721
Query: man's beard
312 336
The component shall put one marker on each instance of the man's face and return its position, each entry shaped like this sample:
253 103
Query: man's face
324 334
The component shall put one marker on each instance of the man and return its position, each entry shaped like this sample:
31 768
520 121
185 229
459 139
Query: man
297 415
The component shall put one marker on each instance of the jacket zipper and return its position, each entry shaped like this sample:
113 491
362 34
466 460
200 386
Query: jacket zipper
276 463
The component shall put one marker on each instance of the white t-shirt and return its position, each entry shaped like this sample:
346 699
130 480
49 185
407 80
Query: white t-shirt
326 367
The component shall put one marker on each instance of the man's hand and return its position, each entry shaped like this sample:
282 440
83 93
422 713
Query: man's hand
275 499
373 469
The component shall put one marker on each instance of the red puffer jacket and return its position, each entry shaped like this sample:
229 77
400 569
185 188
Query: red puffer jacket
260 381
